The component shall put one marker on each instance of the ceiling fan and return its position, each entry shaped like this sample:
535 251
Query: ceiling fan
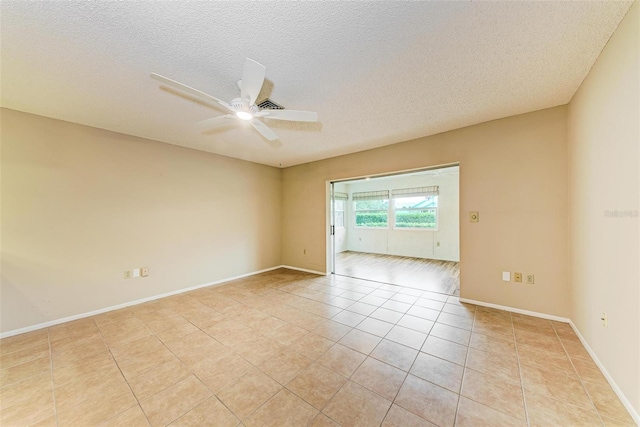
244 108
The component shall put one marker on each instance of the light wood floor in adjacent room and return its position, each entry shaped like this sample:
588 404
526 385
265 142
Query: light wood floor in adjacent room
419 273
286 348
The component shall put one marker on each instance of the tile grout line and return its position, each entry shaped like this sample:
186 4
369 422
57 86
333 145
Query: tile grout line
349 377
352 328
393 401
464 368
394 284
283 387
316 361
199 379
367 355
435 321
323 319
524 399
122 373
579 376
53 382
256 409
406 375
413 363
234 352
180 360
212 392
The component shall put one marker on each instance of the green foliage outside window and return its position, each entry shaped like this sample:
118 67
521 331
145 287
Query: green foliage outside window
372 213
371 219
410 212
416 219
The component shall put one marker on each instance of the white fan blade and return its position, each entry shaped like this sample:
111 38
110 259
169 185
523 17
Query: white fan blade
291 115
214 121
264 130
252 80
167 81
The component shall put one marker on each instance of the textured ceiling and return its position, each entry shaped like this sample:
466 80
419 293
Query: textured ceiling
376 72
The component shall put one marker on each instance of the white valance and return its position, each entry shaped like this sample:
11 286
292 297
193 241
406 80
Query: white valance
371 195
340 196
416 192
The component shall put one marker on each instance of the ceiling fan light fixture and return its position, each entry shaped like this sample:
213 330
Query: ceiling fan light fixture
243 115
244 108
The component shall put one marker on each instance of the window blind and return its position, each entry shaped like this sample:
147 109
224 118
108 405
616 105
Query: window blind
417 191
371 195
340 196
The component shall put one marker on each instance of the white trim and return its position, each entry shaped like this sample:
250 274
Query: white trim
517 310
628 406
304 269
397 172
139 301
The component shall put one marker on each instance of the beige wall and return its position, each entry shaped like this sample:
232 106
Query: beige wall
81 205
513 171
604 135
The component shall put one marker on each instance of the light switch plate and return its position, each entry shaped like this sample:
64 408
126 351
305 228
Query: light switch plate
474 216
506 276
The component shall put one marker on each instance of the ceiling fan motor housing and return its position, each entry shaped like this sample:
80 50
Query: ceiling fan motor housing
238 105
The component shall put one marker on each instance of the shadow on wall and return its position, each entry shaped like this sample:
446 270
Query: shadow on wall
24 305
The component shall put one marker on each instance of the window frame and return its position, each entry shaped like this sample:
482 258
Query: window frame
390 197
356 211
393 208
342 202
435 209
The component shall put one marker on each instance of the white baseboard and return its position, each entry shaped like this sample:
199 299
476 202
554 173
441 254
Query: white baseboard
634 414
303 269
517 310
136 302
628 406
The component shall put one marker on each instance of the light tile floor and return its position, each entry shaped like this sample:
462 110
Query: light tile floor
286 348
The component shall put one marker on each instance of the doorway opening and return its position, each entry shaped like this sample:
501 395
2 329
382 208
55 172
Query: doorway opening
401 229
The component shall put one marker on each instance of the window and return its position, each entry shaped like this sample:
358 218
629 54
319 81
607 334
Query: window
339 208
416 208
371 209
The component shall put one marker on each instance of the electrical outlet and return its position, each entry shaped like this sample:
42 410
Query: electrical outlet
605 320
474 217
517 277
127 274
529 279
144 271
